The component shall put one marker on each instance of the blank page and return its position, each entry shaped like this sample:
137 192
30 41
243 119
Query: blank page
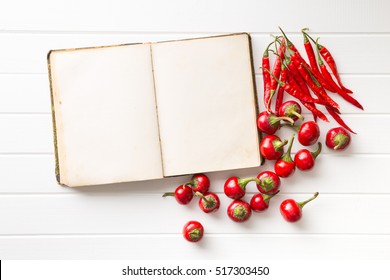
105 114
206 104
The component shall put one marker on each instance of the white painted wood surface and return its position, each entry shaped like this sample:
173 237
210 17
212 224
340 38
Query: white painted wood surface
42 220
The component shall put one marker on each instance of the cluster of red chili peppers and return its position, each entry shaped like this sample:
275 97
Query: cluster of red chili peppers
290 74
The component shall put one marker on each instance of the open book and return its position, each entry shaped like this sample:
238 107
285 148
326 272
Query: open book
146 111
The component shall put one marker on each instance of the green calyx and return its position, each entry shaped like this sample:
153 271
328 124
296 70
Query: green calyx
287 155
278 145
208 202
292 110
305 38
195 234
340 140
240 212
320 61
267 184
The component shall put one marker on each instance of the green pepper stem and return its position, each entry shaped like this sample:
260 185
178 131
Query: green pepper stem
274 119
311 38
244 181
265 54
201 195
267 197
287 155
289 43
318 151
295 113
303 203
168 194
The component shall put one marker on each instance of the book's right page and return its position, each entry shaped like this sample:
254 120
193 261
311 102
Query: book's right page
206 104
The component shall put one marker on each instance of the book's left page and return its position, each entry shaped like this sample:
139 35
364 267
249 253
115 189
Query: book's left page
104 113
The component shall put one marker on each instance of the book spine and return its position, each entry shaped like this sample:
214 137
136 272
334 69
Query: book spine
57 166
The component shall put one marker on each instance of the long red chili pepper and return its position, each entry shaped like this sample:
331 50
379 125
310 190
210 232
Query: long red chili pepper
280 93
266 76
276 73
277 66
313 63
328 77
332 65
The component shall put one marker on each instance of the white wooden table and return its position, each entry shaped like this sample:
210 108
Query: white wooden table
42 220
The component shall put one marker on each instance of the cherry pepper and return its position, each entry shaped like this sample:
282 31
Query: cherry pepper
308 132
199 183
338 139
183 194
269 182
234 187
291 109
270 123
304 159
271 147
292 210
239 211
208 202
193 231
260 202
285 166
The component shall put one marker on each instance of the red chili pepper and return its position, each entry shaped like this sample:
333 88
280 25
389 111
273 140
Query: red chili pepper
332 65
280 93
266 76
328 77
313 63
338 119
276 70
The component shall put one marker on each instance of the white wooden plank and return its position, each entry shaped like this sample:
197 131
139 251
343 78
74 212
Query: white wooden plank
249 15
26 93
33 133
333 174
26 134
92 213
354 53
218 247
